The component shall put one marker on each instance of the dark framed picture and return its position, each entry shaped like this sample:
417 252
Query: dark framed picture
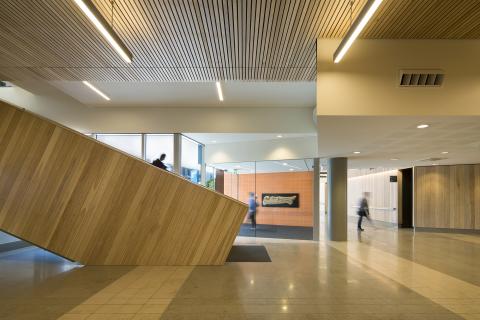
282 200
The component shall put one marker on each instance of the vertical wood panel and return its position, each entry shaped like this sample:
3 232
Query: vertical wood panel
447 196
86 201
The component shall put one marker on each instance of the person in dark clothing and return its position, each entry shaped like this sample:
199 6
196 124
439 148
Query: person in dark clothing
159 162
363 210
252 209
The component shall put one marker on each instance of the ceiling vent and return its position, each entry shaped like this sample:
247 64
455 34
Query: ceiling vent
421 78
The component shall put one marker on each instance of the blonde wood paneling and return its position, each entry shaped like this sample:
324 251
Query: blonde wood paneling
383 194
91 203
206 40
447 196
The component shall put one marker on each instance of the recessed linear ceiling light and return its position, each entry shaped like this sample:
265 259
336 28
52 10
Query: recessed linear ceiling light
423 126
356 152
89 9
100 93
444 152
367 12
219 90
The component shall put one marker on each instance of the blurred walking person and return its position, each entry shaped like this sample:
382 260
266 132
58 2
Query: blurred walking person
363 210
252 209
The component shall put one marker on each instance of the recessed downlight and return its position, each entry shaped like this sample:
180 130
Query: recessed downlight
291 169
434 164
444 152
285 164
423 126
356 152
394 159
279 136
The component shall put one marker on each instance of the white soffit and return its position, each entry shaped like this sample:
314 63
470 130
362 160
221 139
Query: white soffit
193 94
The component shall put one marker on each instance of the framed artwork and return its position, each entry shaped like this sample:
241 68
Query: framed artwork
282 200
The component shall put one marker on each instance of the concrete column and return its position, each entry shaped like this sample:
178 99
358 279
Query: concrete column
337 199
316 199
177 153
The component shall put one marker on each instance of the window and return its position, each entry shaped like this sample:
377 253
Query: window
129 143
156 144
192 159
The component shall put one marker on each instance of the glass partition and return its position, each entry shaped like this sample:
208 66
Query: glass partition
192 159
129 143
156 144
282 191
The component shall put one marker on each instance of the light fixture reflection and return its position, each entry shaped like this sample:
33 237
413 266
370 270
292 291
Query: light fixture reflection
100 93
423 126
219 91
89 9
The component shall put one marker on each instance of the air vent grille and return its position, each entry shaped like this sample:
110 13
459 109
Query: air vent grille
421 78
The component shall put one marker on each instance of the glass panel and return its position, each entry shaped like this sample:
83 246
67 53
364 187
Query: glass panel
285 190
156 144
129 143
192 159
237 180
210 178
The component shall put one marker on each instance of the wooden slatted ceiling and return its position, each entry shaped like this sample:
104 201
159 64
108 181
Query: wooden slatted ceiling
206 40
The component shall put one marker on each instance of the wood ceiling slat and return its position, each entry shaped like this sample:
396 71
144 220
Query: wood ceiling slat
206 40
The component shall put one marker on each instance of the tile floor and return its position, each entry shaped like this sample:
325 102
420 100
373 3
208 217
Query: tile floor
383 274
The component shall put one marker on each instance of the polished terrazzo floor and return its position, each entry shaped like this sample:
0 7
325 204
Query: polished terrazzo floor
383 273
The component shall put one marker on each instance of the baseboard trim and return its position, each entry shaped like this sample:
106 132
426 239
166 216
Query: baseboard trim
447 230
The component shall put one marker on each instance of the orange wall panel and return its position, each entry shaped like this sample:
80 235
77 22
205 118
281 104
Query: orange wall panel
239 186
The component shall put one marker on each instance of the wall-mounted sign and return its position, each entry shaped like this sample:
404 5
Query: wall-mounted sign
285 200
393 178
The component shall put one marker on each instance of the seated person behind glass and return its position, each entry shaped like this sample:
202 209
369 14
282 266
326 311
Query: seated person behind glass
159 162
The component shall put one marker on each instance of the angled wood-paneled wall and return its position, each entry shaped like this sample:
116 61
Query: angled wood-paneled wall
206 40
91 203
447 197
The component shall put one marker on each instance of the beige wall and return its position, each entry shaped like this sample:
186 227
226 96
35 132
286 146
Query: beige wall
365 81
447 197
383 193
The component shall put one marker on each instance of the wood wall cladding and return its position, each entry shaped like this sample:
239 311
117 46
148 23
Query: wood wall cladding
206 40
447 196
91 203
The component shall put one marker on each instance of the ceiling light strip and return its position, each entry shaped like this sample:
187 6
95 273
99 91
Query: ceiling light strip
367 12
92 13
100 93
219 90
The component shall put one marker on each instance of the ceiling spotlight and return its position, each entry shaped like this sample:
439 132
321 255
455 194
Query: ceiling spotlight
367 12
219 91
279 136
356 152
444 152
423 126
291 169
100 93
89 9
285 164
